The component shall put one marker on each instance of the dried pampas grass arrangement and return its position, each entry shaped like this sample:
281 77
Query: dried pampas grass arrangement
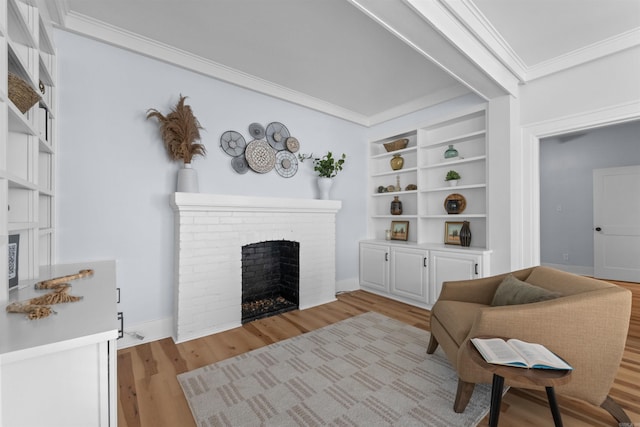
180 130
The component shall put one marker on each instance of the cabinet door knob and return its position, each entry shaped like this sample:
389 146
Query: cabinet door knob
598 229
476 269
424 261
386 256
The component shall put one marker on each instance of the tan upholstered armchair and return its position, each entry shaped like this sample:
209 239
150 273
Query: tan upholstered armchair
587 326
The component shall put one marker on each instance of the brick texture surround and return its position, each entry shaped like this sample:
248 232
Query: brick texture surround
210 231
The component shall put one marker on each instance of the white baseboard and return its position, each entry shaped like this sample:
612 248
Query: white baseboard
163 328
581 270
151 331
347 285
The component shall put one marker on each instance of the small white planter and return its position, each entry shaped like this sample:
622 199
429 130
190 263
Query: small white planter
324 187
453 182
187 179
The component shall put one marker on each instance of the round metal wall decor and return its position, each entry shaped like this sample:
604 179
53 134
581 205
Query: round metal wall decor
240 165
256 130
286 164
277 134
260 156
270 147
292 144
232 143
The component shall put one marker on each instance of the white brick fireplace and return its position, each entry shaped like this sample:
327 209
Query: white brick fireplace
210 232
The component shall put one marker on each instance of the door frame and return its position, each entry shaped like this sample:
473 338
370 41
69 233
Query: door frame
525 191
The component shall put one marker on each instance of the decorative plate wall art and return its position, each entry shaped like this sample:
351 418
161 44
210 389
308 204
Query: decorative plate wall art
270 147
260 156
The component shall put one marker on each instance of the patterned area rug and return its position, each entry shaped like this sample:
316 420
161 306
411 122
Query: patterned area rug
367 370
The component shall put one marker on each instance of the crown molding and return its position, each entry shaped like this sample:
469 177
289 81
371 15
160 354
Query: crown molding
586 54
438 16
430 100
101 31
56 9
477 23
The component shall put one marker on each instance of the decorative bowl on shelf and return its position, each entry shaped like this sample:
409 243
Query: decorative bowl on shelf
455 203
396 145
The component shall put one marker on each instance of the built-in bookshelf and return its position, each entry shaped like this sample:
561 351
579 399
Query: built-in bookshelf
27 149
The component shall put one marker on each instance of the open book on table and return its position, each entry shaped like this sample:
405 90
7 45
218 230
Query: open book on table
518 353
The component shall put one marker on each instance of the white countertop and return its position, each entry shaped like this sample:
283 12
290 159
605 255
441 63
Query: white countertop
93 319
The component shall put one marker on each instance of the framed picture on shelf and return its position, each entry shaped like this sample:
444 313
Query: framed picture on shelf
399 230
13 249
452 232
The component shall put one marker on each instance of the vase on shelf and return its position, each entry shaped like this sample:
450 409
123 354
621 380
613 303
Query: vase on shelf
396 206
465 234
324 187
450 153
187 179
397 162
453 206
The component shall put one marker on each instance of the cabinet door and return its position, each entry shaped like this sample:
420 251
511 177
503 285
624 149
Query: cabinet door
374 267
448 266
409 273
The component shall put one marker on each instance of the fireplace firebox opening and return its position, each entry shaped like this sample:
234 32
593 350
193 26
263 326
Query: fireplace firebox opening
270 278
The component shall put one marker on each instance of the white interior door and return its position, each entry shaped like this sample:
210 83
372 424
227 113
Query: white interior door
616 215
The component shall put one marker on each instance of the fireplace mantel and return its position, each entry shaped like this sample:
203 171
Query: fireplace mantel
221 202
210 232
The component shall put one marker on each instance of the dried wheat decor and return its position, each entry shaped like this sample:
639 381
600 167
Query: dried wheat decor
180 130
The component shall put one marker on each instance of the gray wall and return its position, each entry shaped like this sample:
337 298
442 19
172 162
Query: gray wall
114 178
566 189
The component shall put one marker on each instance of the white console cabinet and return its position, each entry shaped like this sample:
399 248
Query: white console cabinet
414 273
61 370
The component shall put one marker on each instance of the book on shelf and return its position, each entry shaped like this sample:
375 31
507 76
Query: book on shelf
521 354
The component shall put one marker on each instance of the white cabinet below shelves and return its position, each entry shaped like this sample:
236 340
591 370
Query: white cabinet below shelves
414 273
408 278
374 267
449 266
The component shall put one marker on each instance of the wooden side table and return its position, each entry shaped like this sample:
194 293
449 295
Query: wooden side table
525 378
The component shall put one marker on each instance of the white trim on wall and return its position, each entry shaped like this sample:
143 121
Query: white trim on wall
526 206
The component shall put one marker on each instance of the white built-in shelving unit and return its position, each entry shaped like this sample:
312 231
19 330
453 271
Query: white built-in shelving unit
426 167
413 271
27 141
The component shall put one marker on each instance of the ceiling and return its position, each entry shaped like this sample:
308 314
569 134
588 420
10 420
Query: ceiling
366 61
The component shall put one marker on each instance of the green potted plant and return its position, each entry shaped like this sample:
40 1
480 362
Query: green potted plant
452 177
180 130
327 168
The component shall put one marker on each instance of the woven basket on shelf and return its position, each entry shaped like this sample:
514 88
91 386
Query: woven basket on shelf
21 93
396 145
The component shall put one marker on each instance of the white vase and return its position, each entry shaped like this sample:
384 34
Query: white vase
324 186
187 179
453 182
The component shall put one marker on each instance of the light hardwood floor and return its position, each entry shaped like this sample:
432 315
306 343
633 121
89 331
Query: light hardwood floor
149 394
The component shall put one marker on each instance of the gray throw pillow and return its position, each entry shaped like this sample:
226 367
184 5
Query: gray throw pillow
513 291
